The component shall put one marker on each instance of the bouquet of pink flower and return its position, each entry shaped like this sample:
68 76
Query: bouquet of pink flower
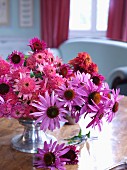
40 86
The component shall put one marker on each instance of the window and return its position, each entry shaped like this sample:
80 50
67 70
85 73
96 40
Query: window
88 18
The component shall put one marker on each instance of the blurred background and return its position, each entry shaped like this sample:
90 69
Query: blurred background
55 21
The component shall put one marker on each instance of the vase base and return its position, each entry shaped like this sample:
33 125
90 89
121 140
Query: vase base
29 146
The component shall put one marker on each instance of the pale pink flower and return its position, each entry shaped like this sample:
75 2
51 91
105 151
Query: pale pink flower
25 86
40 57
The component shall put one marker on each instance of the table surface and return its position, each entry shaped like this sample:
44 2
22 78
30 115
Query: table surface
108 149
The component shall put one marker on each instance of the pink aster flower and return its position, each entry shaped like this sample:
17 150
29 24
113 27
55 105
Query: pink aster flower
28 110
5 108
71 155
16 58
49 56
50 156
40 57
50 113
15 72
49 70
25 86
12 97
36 44
4 67
51 83
31 62
58 61
17 110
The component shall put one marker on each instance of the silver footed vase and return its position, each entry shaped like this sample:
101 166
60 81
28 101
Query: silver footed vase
31 138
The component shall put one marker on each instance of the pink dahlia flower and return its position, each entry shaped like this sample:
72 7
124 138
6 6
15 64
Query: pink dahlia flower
50 156
50 113
16 58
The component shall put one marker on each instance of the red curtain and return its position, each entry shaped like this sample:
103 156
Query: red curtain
117 20
54 21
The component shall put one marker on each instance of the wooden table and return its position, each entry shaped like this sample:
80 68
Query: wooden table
108 149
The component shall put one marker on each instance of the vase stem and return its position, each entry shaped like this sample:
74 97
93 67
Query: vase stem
31 139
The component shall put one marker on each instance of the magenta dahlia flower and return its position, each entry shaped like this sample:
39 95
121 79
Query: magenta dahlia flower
5 86
36 44
50 113
16 58
50 156
71 155
65 70
4 67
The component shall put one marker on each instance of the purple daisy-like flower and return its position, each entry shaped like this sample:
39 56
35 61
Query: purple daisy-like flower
16 58
71 95
50 156
98 113
94 95
50 113
36 44
71 155
113 104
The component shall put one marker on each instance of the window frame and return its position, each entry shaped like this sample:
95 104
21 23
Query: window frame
93 32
